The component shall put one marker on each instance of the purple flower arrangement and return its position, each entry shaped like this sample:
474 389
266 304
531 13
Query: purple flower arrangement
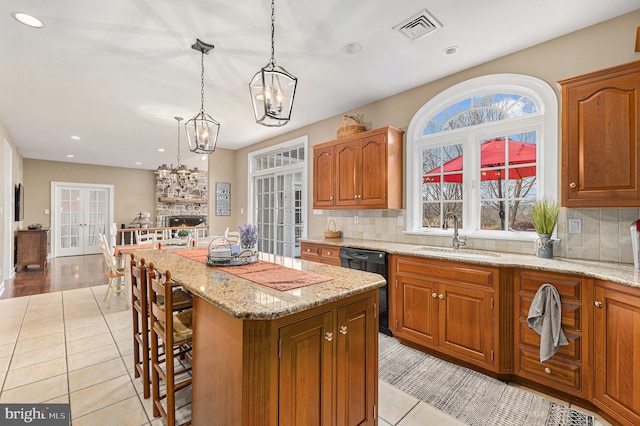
248 235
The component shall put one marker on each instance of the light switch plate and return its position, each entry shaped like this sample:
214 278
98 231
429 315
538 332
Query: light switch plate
575 226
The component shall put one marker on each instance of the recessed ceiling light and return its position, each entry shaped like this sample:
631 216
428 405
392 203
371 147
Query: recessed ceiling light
28 20
351 48
204 157
451 50
70 156
160 149
138 163
75 138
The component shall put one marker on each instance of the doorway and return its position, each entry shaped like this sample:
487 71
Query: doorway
79 213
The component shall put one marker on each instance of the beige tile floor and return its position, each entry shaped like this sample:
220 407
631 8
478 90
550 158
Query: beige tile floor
69 347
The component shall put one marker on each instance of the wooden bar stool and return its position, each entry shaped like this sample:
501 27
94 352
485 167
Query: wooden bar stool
140 323
173 330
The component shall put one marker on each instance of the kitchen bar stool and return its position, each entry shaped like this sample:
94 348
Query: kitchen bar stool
173 330
140 323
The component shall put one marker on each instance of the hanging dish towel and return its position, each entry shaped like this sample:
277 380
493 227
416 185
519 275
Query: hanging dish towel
545 316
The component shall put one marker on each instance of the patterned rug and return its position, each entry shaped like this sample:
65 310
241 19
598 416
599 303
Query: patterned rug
469 396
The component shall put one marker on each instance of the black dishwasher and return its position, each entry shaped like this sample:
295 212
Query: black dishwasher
370 261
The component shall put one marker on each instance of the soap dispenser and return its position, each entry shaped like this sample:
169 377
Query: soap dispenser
635 242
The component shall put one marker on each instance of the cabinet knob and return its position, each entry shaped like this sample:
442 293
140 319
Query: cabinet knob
343 329
328 253
441 295
329 336
598 304
331 197
547 370
572 185
434 295
308 250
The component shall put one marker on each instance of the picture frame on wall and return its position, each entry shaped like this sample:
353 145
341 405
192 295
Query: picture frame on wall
223 199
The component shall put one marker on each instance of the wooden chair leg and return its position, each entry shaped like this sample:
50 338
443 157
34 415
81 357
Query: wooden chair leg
155 377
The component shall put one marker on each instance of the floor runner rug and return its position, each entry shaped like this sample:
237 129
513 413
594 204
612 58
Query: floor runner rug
467 395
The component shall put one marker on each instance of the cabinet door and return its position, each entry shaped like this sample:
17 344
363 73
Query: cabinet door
417 310
601 127
306 371
466 322
357 363
617 352
347 164
373 172
323 177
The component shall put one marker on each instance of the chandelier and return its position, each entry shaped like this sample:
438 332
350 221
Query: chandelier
272 89
178 181
202 130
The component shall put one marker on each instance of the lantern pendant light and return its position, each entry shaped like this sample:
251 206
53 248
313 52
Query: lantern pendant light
202 130
272 89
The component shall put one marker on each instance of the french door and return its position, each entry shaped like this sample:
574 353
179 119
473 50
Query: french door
278 201
80 212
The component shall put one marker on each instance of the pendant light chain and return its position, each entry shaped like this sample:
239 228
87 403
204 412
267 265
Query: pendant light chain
202 83
273 32
178 119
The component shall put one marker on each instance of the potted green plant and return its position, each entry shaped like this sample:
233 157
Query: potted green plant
544 214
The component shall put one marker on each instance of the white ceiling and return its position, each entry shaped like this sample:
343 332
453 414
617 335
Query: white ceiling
116 72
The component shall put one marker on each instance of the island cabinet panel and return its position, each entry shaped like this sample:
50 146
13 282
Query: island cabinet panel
567 370
361 171
317 367
449 307
323 253
616 349
601 127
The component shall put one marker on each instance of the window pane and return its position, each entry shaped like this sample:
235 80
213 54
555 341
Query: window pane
520 216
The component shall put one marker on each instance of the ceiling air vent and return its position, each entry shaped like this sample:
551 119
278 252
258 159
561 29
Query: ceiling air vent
418 25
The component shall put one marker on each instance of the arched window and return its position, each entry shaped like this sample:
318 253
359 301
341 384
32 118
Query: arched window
483 150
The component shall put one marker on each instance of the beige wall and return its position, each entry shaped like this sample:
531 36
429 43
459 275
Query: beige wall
16 177
221 169
134 190
601 46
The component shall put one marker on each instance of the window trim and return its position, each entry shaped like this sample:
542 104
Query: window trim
545 122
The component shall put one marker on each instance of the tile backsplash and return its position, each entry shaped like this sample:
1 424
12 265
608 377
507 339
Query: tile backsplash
604 233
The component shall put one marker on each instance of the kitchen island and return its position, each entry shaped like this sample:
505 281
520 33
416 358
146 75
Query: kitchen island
261 356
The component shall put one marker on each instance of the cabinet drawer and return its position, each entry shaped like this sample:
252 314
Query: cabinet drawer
310 250
568 288
455 272
330 252
571 314
532 339
552 373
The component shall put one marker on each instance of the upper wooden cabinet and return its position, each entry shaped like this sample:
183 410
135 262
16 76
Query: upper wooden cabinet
600 146
362 171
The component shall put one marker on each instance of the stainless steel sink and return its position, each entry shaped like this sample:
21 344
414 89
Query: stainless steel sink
457 253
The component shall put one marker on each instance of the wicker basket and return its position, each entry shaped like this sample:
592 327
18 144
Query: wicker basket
348 129
332 234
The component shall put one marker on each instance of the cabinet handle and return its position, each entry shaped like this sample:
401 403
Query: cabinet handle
343 329
308 250
331 197
328 253
547 370
572 185
434 295
441 296
329 336
598 304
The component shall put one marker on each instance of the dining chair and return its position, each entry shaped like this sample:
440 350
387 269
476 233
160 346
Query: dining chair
147 237
173 330
115 274
140 323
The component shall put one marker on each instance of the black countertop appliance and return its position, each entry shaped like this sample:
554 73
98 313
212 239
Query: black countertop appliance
370 261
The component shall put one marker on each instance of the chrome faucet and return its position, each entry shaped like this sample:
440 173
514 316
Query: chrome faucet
457 240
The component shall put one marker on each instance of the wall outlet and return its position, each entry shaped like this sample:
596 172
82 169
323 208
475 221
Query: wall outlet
356 219
46 211
575 226
400 220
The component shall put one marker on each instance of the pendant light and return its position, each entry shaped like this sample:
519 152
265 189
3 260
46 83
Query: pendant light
272 89
202 130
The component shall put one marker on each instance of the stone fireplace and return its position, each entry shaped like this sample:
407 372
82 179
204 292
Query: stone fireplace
188 201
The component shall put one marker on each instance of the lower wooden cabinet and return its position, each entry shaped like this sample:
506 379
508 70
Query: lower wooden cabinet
446 306
323 253
330 360
32 248
616 349
567 370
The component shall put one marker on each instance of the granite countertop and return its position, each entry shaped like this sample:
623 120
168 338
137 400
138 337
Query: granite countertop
242 298
620 273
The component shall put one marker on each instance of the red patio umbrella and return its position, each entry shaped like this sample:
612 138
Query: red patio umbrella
492 154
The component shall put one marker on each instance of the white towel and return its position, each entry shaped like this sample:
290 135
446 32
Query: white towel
545 317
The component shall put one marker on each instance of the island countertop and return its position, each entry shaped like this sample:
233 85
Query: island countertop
245 299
